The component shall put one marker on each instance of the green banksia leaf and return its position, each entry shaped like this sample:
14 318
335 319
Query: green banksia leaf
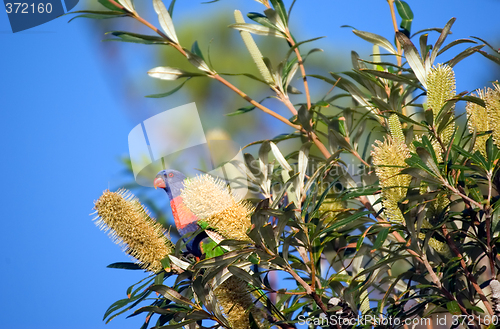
170 73
210 200
442 248
435 146
492 100
478 121
364 299
165 20
389 158
440 89
257 29
254 50
131 226
128 5
395 129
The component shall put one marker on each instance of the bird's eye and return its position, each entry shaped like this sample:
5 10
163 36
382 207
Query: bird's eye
170 175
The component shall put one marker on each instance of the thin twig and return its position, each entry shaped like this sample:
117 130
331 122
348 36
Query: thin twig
301 66
310 292
253 102
395 25
470 277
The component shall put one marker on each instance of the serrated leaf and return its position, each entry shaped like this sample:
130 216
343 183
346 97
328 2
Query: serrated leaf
165 20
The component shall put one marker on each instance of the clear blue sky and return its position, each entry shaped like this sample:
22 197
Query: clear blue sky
63 127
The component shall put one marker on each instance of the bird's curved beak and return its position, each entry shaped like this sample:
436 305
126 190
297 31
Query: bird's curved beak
159 182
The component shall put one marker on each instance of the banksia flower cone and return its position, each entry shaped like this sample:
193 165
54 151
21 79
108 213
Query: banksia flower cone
131 227
441 88
389 159
395 129
235 299
492 100
210 200
478 120
495 295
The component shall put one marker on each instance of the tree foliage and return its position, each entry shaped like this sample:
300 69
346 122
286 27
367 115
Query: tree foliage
389 208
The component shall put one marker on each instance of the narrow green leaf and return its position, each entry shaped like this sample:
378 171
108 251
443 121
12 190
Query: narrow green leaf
281 159
195 49
198 62
168 93
165 20
376 40
381 238
109 5
257 29
440 40
125 265
98 14
172 295
261 19
171 8
279 6
404 10
170 73
464 54
128 4
453 307
242 110
413 58
136 38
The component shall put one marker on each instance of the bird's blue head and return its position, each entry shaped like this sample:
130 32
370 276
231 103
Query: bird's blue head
171 181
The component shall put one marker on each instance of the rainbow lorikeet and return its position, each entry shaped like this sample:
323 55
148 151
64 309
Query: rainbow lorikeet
172 181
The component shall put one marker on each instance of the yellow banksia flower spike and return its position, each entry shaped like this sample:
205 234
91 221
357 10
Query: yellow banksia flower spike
389 158
395 129
441 88
236 301
492 100
211 201
442 248
254 50
130 226
478 120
